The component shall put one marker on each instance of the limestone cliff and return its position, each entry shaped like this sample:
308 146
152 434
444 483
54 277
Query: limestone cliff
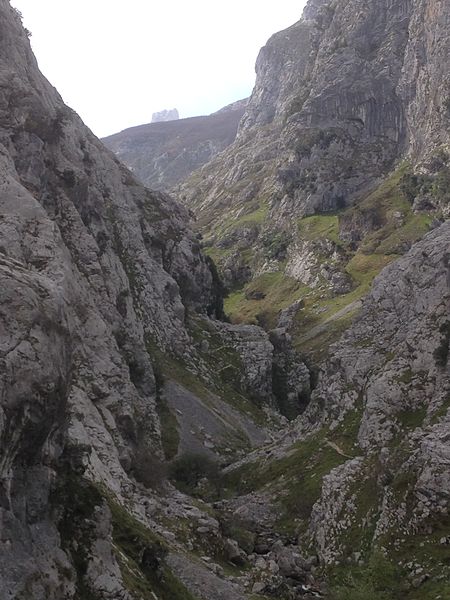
105 339
341 160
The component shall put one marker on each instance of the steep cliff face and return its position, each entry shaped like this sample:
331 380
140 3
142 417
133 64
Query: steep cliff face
343 145
350 88
162 155
392 367
105 301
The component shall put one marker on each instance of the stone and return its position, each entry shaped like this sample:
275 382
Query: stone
258 587
233 553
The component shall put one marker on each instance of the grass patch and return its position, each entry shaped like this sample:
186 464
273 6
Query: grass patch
380 579
410 419
296 479
441 411
261 300
319 227
392 239
231 223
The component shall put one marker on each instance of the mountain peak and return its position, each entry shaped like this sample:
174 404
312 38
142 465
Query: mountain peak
165 115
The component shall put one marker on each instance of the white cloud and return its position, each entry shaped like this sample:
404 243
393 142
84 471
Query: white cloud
116 62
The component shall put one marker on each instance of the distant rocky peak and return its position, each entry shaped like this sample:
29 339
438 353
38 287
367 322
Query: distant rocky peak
165 115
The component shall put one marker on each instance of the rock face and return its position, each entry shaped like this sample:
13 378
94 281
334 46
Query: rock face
165 115
393 367
347 90
163 153
363 477
347 101
100 279
93 269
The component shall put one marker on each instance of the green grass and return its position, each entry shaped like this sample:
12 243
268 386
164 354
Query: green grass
396 240
398 228
410 419
386 577
441 411
141 559
257 216
296 479
279 292
319 227
379 579
364 268
217 254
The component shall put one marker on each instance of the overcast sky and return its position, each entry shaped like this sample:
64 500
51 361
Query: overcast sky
117 62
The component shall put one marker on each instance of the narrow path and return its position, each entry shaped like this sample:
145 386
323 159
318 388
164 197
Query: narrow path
318 329
338 449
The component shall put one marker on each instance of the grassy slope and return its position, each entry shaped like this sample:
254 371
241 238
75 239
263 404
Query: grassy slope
323 317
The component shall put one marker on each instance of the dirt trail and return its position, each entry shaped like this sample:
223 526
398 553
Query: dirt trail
318 329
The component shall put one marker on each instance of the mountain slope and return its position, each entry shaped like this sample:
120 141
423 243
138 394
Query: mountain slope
105 335
341 160
162 155
362 479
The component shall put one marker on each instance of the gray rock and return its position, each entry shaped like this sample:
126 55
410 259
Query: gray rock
165 115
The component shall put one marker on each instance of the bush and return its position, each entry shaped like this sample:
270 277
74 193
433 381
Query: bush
149 470
380 579
441 352
187 471
275 244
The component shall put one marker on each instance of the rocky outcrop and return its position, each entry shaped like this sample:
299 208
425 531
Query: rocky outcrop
342 89
165 115
167 151
392 368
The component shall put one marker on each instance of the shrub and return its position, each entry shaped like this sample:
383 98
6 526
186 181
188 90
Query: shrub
187 471
441 352
275 244
149 470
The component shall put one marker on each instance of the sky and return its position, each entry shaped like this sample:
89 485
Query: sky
117 62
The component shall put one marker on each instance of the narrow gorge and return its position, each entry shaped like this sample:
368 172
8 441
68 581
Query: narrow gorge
241 390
